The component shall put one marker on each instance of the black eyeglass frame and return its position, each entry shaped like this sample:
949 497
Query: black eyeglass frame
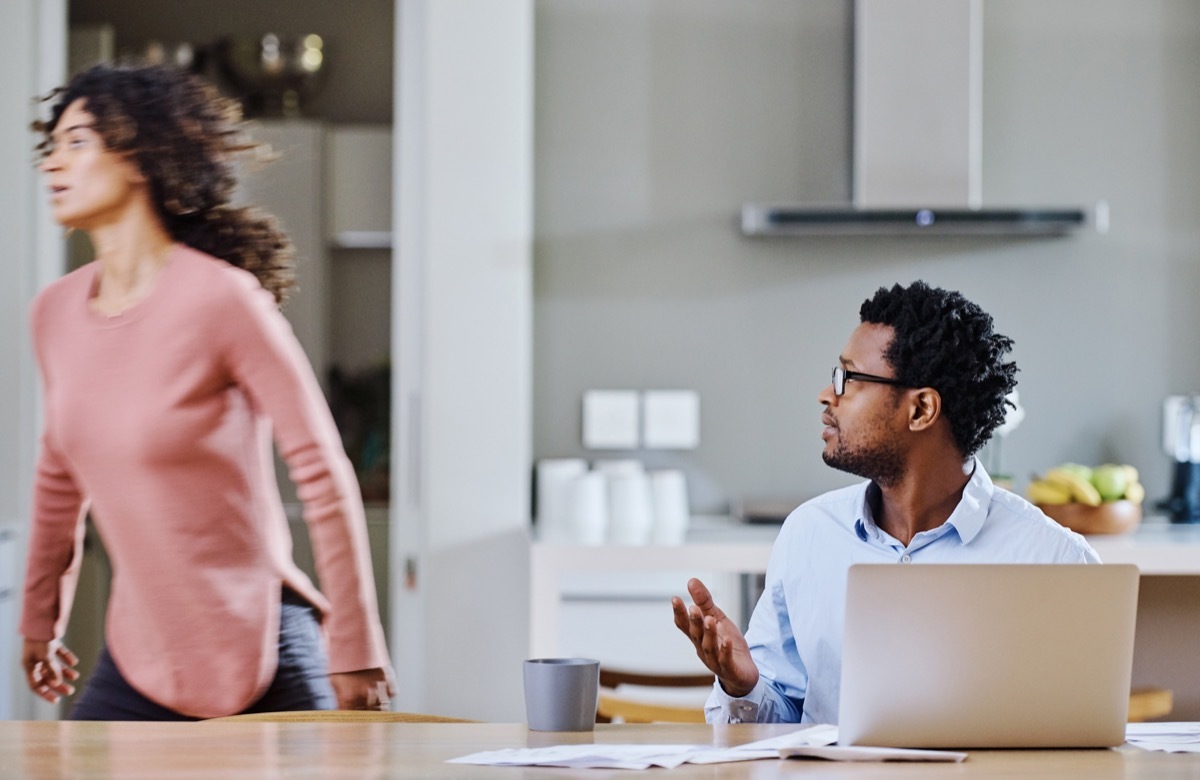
842 375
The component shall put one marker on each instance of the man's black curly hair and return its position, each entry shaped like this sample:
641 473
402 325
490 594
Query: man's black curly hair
946 342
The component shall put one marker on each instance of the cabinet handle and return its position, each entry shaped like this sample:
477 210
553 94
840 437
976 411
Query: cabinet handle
410 573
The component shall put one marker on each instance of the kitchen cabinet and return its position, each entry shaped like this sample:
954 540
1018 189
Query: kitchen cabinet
358 205
357 208
624 619
591 599
330 187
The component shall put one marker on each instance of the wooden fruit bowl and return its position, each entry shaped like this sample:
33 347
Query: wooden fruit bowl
1111 517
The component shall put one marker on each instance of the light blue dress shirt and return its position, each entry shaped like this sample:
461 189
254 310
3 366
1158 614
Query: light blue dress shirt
795 633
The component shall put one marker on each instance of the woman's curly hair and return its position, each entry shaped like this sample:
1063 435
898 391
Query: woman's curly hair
183 136
946 342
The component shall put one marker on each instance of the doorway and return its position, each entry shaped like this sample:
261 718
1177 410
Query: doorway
336 126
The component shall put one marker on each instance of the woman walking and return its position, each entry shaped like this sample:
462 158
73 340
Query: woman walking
167 369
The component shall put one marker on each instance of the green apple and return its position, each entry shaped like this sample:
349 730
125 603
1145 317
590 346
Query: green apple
1083 471
1111 481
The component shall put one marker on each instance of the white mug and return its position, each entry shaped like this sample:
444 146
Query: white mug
553 475
631 516
668 493
587 507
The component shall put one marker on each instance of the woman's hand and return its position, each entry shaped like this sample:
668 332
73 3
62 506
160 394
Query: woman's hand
49 669
367 689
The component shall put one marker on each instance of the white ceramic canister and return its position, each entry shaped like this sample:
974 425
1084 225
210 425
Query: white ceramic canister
669 498
551 478
631 514
587 508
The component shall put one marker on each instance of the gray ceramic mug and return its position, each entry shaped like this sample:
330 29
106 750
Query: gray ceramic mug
560 693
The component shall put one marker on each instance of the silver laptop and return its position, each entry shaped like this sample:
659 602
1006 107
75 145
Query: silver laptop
987 655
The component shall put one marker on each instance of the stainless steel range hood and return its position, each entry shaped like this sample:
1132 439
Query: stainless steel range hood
917 136
793 220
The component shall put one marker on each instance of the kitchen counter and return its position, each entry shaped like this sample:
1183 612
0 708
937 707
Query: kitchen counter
1157 547
1168 556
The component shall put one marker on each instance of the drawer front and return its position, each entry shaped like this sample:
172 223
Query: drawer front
624 620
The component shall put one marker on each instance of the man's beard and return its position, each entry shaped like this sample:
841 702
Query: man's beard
883 465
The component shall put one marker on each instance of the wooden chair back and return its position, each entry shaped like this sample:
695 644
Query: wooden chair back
1147 703
612 704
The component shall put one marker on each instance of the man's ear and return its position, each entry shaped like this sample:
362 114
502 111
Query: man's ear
925 409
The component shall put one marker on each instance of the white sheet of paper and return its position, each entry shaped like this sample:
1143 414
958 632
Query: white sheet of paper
580 756
1168 737
1166 728
768 748
820 734
603 756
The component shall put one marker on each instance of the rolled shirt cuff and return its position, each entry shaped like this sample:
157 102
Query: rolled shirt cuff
751 708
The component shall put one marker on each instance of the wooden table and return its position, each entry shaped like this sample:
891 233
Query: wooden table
47 749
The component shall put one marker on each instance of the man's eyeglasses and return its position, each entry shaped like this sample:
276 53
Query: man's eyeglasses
841 376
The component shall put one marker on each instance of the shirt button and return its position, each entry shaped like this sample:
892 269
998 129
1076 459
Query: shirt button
906 558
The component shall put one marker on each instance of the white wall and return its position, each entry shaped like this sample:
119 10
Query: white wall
32 60
462 293
657 120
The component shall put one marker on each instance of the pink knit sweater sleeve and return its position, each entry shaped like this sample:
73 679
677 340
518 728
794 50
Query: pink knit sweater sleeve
55 549
56 531
267 361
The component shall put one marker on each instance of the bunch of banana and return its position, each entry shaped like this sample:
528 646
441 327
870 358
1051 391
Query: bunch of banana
1072 483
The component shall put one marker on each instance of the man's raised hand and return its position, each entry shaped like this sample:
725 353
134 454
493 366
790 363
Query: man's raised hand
719 643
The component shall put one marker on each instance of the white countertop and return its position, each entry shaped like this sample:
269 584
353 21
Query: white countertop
1156 547
717 543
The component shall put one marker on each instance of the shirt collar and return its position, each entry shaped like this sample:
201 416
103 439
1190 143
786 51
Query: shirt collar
967 518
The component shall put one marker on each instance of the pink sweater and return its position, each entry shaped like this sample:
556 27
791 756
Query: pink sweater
160 420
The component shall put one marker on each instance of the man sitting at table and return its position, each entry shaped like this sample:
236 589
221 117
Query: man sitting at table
917 391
